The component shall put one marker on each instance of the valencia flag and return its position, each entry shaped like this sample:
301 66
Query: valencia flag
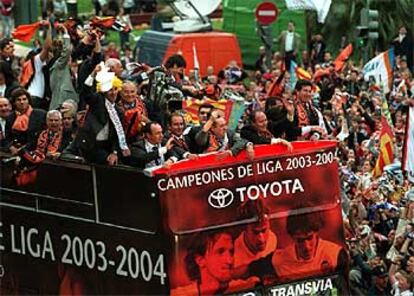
25 32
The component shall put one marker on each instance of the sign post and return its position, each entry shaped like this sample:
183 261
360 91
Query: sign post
266 13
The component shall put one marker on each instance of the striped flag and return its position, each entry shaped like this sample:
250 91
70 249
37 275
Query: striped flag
386 148
381 69
191 106
297 73
408 153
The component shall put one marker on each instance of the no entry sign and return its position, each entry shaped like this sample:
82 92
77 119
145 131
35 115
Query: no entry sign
266 13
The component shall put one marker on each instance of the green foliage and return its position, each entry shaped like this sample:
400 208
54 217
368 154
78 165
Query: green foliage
344 16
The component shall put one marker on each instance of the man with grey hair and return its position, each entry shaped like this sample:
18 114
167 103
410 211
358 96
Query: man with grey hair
51 141
115 65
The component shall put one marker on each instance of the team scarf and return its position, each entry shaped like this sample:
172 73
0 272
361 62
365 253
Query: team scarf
180 142
113 115
21 123
133 113
48 143
217 144
304 115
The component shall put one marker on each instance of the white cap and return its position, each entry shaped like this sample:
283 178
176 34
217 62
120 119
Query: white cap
105 78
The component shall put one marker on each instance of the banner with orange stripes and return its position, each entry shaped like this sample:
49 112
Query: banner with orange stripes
386 149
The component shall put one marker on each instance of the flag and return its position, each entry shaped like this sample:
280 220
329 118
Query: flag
321 7
277 87
103 22
408 152
381 69
25 32
297 73
321 73
386 148
343 57
237 111
191 106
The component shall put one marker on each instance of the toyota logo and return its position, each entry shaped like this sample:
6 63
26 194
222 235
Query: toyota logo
220 198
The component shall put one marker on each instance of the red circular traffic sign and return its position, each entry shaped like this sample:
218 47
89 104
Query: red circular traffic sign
266 13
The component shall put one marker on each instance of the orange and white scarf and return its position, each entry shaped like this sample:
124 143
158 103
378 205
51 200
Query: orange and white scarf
21 123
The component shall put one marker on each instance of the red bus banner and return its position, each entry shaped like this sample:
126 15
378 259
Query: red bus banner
272 226
242 225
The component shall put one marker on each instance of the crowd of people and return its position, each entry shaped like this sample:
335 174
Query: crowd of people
79 100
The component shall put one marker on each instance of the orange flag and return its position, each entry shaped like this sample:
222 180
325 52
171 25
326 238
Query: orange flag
343 57
105 22
277 87
25 32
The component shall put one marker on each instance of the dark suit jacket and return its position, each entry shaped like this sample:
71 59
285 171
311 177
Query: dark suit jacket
236 143
140 157
181 149
250 133
96 118
37 122
192 144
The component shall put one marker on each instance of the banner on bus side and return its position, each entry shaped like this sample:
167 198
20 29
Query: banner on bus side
241 225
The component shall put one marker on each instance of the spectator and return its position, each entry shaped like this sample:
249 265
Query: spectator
24 125
6 12
61 84
7 80
404 46
214 136
153 150
60 9
7 55
37 84
51 142
289 44
176 127
306 117
5 109
261 131
115 65
317 49
134 111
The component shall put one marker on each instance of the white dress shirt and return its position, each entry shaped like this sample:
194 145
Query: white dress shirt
289 41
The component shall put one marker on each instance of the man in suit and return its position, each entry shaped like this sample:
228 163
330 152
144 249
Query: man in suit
5 109
261 131
176 126
306 118
289 44
214 137
102 137
204 112
404 46
153 150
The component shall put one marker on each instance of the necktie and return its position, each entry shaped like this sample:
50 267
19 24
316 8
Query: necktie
157 161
